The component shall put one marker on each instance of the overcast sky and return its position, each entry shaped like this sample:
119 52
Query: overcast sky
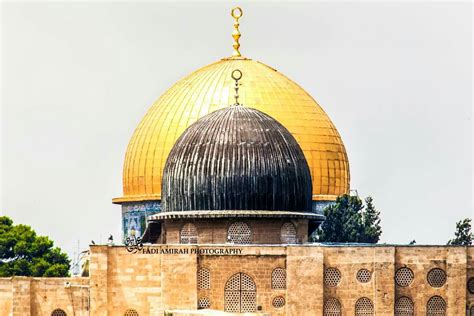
395 78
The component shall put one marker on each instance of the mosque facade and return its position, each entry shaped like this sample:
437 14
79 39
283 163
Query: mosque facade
225 180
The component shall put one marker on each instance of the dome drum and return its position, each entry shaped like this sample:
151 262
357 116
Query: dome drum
220 230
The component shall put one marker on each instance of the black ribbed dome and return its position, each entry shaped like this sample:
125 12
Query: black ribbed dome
236 158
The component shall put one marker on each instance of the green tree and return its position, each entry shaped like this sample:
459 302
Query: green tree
463 234
22 252
371 222
348 220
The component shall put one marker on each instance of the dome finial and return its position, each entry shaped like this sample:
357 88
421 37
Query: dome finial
236 14
236 75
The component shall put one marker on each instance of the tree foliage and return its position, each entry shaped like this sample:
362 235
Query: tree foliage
348 220
24 253
463 234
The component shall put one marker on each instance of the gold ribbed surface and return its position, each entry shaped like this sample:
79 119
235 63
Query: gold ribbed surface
211 88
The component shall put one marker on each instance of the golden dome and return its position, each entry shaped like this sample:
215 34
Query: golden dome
211 88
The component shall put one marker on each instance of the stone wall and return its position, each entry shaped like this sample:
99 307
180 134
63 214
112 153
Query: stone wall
23 296
48 294
120 281
160 278
346 262
258 263
304 281
6 296
421 260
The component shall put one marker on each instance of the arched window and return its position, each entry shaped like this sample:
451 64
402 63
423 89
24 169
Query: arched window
239 233
130 312
288 233
332 307
58 312
404 307
279 279
364 307
204 279
189 234
240 294
436 306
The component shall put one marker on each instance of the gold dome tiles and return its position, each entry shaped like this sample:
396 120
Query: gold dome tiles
211 88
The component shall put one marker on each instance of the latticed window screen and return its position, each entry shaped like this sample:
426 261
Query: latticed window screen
471 311
232 301
288 233
278 302
204 303
239 233
332 307
240 294
364 307
404 307
279 279
436 306
246 283
204 278
470 285
436 277
363 275
189 234
404 276
332 277
130 312
58 312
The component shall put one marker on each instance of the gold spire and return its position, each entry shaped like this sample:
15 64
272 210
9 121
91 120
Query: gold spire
236 75
236 14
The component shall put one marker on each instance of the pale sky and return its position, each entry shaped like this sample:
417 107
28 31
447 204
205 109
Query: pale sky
394 77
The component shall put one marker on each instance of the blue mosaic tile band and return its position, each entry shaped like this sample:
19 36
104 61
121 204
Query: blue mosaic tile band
134 217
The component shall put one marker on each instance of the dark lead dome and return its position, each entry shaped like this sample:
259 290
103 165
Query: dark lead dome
236 158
